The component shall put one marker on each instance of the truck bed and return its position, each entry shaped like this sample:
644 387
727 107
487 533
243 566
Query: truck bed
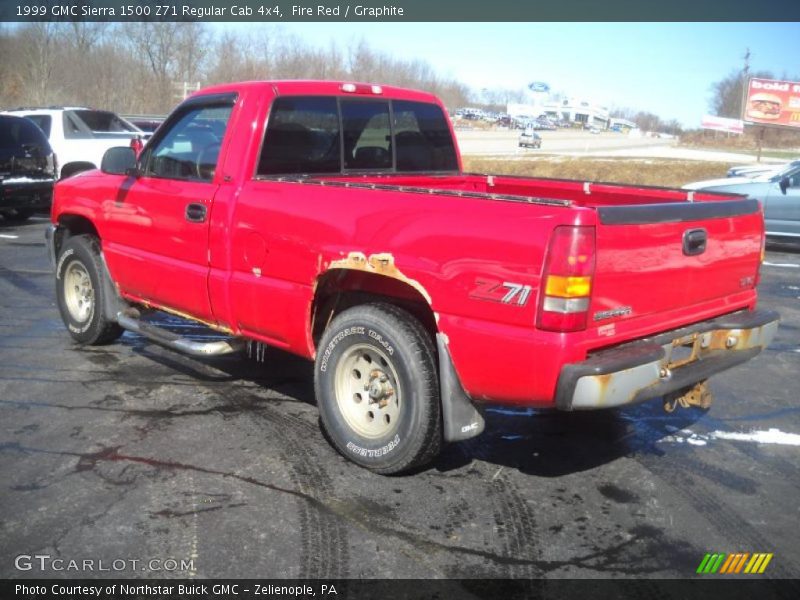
643 272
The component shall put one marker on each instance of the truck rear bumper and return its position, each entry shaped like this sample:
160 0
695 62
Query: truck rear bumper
664 363
35 194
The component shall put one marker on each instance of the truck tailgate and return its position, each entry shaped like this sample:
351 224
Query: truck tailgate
652 258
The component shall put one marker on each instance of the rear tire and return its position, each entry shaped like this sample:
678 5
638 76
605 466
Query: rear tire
377 389
80 292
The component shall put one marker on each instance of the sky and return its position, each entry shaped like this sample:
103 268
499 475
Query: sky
664 68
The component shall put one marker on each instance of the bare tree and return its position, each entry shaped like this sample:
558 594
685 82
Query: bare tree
37 51
133 67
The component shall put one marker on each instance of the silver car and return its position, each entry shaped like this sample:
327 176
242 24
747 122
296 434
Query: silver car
530 139
778 192
756 170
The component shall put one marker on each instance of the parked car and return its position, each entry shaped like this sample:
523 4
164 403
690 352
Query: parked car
530 139
291 213
757 170
778 192
79 136
27 169
148 125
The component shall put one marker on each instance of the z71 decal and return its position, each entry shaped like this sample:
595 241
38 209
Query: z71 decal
506 292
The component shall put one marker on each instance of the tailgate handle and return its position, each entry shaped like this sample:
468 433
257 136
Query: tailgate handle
694 241
196 213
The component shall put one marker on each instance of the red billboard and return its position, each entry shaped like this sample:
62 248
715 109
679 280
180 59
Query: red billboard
772 102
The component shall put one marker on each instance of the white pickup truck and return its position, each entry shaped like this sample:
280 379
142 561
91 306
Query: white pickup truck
80 136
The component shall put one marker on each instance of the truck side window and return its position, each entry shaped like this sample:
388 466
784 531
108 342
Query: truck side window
422 138
190 147
367 135
302 137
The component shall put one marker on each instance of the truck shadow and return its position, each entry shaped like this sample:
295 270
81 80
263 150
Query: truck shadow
549 443
545 443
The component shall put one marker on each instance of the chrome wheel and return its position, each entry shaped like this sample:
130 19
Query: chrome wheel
368 391
78 292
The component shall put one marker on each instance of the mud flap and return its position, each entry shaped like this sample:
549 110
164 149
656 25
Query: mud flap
113 304
461 419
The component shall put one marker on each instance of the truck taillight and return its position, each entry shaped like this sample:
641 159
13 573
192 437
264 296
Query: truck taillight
567 279
762 258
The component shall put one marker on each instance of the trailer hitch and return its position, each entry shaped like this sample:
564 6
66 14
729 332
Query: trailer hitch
697 395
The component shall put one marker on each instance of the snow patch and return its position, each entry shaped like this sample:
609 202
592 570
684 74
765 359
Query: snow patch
770 436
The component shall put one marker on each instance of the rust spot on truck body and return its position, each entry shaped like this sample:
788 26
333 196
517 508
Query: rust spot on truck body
381 264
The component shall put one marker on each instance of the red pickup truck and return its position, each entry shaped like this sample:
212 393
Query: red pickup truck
334 221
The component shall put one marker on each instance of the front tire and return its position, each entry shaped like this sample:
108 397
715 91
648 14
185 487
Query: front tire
19 215
80 292
377 389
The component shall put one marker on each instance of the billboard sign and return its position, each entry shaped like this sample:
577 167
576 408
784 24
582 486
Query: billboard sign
722 124
772 102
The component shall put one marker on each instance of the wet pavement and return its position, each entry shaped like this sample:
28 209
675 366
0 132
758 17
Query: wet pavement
131 452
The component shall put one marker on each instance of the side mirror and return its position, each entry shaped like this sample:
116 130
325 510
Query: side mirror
784 184
119 161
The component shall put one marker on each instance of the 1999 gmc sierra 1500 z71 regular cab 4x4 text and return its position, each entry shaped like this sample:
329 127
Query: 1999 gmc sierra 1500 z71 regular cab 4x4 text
333 220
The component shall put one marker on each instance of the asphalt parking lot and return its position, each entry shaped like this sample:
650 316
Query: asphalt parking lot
131 452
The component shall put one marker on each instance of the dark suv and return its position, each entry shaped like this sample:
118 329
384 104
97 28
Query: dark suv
27 169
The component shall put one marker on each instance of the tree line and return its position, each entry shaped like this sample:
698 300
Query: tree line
141 68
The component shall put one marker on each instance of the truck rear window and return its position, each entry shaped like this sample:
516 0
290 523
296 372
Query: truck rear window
18 134
303 137
43 122
367 135
422 138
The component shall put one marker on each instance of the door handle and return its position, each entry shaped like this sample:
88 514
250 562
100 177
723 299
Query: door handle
196 213
694 241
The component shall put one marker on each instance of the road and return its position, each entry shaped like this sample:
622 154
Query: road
504 143
131 452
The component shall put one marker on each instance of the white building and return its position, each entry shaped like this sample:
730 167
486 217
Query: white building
572 109
623 125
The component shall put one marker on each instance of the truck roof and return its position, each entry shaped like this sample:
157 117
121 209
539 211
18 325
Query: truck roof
320 87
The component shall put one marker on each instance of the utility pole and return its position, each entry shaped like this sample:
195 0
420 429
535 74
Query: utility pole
744 79
746 67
